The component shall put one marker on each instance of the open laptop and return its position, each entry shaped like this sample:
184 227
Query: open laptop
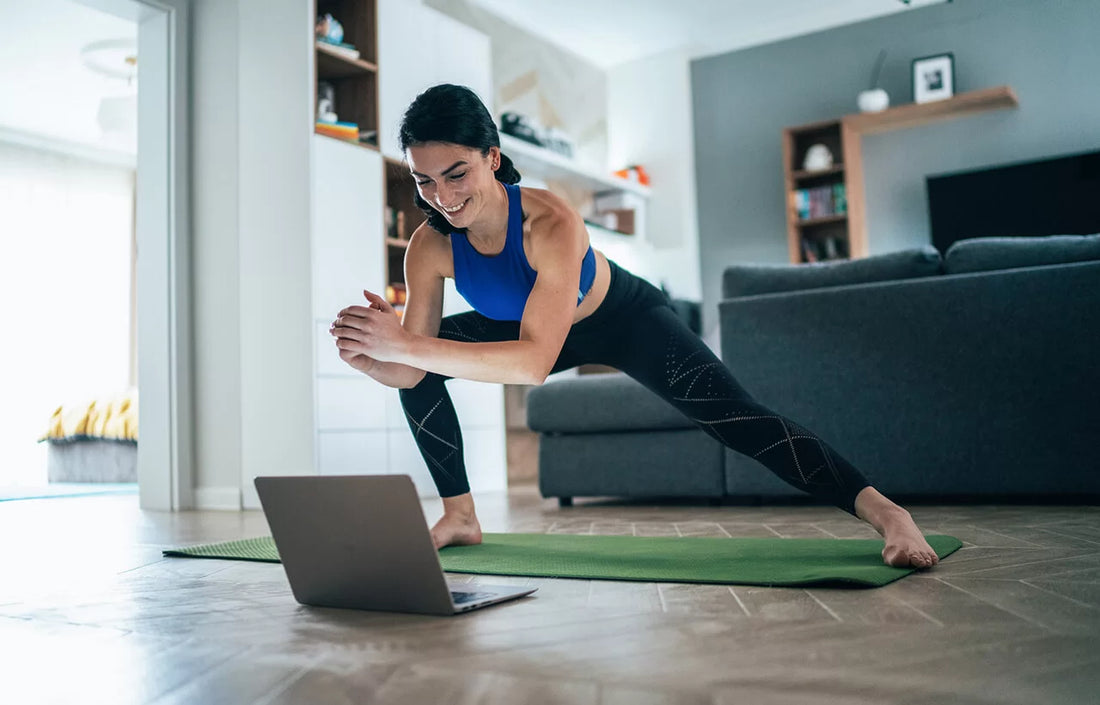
362 542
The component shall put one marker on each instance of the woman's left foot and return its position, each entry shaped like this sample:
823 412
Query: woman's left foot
905 544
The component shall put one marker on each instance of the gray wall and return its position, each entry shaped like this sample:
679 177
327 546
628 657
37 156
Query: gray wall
1047 50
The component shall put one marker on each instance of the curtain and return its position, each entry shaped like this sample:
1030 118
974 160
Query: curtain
66 228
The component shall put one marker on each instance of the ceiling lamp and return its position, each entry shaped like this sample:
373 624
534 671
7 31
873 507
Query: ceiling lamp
115 59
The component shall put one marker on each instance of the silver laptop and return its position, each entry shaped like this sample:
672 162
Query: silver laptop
362 542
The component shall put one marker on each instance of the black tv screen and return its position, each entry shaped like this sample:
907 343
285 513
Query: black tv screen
1058 196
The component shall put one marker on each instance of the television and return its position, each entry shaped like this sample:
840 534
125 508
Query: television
1055 196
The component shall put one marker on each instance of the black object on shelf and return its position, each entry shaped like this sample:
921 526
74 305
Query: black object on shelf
521 127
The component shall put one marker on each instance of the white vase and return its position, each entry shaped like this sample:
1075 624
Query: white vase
873 101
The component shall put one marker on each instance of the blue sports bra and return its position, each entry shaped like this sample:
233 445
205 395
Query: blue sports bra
498 286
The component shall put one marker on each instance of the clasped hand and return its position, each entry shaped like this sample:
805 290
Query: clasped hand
367 333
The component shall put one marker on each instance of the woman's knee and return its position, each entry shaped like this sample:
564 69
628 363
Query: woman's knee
431 385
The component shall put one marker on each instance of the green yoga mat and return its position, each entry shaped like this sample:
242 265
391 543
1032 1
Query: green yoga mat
744 561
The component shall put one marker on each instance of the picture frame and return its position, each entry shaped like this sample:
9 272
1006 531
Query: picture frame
933 77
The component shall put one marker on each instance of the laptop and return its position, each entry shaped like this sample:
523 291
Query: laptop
362 542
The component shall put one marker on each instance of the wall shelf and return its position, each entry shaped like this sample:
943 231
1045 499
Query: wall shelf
532 160
917 114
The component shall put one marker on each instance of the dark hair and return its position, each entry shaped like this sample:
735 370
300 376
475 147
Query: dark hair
452 114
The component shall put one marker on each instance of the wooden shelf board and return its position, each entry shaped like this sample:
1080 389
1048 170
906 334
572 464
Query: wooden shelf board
803 175
397 242
356 143
331 64
824 220
535 161
916 114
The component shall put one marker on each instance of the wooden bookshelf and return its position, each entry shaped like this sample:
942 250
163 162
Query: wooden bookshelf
808 235
847 231
404 217
354 81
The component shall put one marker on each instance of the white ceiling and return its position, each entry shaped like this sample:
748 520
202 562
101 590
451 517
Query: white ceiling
45 89
610 32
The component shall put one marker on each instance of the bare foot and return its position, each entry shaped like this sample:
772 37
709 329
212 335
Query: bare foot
456 530
905 544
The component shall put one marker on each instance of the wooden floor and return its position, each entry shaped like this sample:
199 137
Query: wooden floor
91 612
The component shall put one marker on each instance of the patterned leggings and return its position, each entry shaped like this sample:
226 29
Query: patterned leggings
636 331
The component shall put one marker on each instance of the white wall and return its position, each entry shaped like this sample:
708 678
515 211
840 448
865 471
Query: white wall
253 337
276 123
649 122
216 254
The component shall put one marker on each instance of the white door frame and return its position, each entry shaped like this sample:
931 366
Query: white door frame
165 464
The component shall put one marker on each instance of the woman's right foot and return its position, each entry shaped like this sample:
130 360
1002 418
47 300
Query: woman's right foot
456 530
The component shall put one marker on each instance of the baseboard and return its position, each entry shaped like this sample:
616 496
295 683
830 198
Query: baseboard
218 498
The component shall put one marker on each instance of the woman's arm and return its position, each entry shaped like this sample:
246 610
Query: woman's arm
391 374
558 241
423 312
557 245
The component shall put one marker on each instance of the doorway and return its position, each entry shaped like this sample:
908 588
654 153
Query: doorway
72 182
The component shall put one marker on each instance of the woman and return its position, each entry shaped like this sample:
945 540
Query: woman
546 301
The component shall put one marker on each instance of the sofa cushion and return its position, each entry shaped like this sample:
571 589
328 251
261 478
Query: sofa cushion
751 279
983 254
598 403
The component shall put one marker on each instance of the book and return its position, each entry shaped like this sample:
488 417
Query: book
801 203
840 198
341 130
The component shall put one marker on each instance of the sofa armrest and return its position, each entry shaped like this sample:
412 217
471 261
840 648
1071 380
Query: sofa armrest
599 403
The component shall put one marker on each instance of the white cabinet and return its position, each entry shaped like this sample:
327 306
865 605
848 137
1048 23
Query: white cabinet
360 427
346 246
347 225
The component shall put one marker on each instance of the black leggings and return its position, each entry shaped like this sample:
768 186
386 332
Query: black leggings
636 331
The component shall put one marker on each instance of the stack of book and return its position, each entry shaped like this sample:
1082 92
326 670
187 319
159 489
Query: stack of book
820 201
339 130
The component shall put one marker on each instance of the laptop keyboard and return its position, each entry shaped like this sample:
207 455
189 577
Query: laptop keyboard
464 597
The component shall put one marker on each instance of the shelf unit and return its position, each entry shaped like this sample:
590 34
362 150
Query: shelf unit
847 232
825 234
402 218
354 81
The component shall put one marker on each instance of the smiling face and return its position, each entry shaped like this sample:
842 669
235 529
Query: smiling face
456 180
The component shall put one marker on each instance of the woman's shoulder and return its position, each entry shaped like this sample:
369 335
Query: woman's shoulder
542 208
429 248
540 202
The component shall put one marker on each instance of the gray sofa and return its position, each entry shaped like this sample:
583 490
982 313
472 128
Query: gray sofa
971 376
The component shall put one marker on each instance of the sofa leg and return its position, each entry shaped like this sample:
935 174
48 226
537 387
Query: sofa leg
565 501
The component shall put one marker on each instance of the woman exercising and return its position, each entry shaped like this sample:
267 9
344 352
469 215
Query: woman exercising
544 300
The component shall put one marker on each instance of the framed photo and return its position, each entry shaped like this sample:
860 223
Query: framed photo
933 78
